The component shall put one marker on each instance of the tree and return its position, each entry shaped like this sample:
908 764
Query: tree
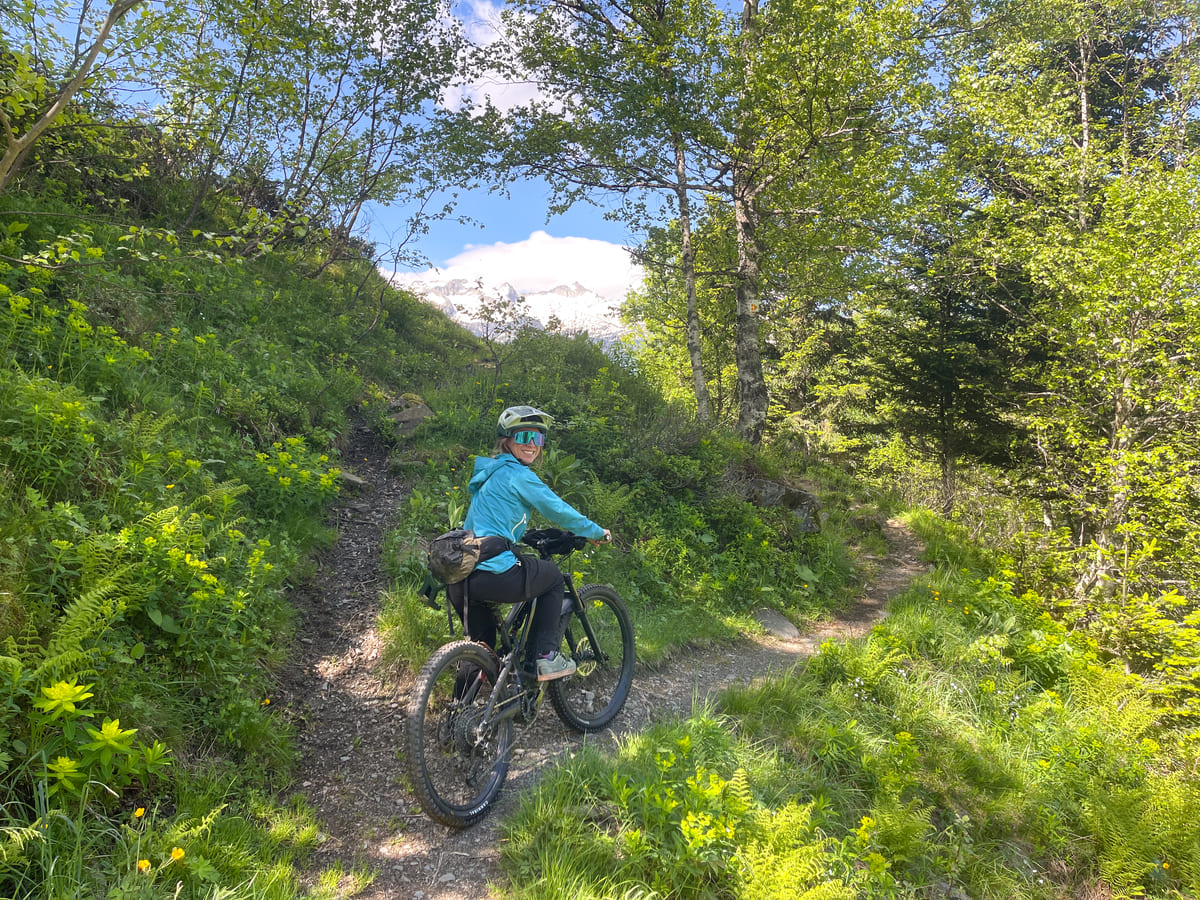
36 95
623 106
760 108
670 303
1082 163
1118 415
312 111
942 349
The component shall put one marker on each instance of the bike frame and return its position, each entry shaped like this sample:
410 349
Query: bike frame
513 648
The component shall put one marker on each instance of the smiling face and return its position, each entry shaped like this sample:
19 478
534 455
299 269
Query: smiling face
525 453
525 446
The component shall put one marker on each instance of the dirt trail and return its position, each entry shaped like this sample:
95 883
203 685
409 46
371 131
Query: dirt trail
348 713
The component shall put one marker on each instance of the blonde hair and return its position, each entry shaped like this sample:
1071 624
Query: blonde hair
503 445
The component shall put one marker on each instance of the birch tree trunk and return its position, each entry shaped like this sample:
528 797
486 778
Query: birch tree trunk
752 386
688 256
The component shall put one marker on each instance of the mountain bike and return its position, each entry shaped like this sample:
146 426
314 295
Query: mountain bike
468 697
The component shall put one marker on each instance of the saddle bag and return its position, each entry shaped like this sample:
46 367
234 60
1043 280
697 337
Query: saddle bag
454 555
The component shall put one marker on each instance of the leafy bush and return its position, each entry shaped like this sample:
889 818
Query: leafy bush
675 815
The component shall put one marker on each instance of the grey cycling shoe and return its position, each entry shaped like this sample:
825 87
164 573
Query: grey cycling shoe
555 666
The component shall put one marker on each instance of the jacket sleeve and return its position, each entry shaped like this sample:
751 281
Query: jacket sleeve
535 492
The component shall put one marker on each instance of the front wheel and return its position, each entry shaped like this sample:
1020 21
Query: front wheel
599 638
457 762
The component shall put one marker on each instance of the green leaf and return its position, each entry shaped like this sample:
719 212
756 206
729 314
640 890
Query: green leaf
163 620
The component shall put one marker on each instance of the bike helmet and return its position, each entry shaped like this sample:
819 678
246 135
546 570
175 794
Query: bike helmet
523 418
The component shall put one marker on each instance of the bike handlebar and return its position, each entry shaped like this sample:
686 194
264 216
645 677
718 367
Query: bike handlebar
553 541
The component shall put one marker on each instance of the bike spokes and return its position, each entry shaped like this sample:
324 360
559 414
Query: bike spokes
458 754
600 639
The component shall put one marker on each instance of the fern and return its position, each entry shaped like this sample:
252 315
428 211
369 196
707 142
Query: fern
11 670
789 860
146 428
157 519
88 615
1114 702
1126 844
738 798
830 890
902 826
876 661
71 649
13 842
25 645
221 495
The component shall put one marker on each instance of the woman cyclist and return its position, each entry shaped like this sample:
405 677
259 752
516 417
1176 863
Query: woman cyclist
504 492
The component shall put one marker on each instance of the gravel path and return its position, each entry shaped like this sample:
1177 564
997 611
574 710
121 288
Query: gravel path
348 713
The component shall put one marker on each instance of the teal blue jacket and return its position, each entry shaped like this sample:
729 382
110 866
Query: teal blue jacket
504 494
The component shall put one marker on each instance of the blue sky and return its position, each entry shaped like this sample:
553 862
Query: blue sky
512 240
514 218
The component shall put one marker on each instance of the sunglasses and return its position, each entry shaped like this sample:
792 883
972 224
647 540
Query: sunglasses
529 437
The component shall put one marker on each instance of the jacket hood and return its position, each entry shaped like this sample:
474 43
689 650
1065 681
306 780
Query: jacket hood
486 466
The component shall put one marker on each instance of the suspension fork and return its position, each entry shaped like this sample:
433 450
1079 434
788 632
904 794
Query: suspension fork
588 631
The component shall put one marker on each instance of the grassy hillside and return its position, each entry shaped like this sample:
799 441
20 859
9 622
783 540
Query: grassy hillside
171 414
173 407
971 746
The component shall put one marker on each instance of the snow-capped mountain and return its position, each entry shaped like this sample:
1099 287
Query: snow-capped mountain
575 307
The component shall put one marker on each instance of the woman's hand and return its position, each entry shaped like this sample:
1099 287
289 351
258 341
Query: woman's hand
607 538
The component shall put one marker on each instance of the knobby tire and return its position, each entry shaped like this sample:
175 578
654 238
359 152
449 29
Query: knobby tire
456 767
600 640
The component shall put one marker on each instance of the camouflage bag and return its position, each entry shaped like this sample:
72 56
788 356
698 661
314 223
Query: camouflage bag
454 555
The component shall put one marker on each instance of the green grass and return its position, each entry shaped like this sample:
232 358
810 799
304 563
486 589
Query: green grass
966 743
169 453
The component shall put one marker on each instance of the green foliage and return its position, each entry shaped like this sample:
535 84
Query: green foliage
787 857
410 629
675 815
683 824
970 741
693 556
1157 637
166 462
173 388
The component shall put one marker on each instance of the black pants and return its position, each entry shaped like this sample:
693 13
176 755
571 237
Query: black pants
489 589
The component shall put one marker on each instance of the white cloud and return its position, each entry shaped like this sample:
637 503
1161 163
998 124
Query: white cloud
542 262
482 26
504 95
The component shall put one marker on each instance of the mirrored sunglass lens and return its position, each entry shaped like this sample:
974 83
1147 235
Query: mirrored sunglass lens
529 437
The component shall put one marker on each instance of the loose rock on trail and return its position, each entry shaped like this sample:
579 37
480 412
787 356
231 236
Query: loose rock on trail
349 715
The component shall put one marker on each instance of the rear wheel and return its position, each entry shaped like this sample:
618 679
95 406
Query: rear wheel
599 638
456 763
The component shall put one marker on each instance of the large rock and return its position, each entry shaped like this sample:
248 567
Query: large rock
407 413
776 624
804 506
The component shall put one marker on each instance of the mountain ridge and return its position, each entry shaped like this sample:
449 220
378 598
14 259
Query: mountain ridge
575 307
